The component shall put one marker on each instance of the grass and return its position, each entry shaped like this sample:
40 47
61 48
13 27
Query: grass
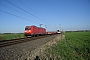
75 46
10 36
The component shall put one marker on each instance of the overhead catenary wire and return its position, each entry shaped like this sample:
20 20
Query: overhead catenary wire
31 9
16 16
12 9
23 10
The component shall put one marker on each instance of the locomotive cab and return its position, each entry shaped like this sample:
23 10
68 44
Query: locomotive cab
27 31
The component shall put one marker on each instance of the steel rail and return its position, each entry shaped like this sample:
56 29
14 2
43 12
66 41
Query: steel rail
20 40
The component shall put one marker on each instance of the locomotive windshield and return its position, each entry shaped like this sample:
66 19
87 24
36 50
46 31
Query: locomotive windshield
27 28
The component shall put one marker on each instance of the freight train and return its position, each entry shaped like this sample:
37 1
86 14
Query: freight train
34 31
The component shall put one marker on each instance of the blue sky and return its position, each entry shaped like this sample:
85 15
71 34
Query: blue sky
70 14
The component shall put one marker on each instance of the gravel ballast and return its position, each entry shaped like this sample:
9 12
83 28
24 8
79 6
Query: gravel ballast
22 51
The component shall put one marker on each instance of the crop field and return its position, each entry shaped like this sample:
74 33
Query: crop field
75 46
10 36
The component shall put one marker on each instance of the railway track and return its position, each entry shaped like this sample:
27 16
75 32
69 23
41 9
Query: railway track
20 40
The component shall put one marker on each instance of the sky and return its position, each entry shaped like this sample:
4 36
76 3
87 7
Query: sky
53 14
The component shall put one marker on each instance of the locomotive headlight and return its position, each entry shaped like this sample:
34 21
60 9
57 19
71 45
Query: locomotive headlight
29 31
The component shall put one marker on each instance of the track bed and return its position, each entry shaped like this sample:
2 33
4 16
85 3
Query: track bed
22 50
20 40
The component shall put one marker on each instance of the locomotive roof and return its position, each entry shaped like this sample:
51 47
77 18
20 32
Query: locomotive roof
34 26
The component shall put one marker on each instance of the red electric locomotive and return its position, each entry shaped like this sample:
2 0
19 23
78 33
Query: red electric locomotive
33 30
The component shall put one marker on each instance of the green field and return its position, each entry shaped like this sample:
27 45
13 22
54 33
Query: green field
75 46
10 36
